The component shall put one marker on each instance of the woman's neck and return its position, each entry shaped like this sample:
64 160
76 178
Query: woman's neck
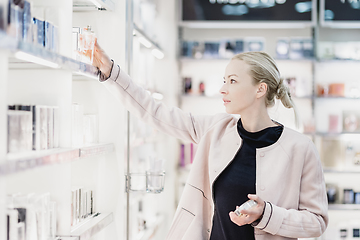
256 121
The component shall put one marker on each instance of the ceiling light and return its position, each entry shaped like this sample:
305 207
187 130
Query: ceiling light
157 96
157 53
145 42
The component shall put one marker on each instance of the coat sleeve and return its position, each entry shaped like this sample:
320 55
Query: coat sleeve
172 121
311 217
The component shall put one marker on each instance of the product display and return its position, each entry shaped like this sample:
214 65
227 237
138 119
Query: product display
31 217
19 131
82 204
283 48
348 196
187 153
28 24
351 121
32 127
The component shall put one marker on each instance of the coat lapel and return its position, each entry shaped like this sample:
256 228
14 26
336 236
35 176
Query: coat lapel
225 153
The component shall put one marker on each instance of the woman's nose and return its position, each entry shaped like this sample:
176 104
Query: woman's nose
223 90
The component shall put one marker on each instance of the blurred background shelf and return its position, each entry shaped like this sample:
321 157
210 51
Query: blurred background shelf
344 207
91 226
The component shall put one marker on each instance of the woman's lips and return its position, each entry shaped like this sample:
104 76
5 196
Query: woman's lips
226 101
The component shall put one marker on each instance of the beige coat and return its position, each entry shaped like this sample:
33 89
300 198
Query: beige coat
289 175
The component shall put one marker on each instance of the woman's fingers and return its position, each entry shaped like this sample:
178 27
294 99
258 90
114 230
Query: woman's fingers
240 220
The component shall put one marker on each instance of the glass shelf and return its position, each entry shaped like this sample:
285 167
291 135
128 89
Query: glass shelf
344 207
29 56
92 225
93 5
18 162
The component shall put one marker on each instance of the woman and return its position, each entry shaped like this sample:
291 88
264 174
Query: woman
252 157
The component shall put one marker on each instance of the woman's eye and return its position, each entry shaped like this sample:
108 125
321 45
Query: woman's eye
232 81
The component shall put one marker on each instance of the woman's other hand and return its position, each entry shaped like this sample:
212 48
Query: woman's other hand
250 215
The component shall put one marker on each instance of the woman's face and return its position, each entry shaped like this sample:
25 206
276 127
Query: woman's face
239 92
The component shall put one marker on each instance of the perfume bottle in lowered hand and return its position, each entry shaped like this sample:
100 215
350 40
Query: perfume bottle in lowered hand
245 206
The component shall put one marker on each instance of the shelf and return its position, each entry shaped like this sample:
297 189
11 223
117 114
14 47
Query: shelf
337 98
337 61
245 24
29 56
341 171
191 60
18 162
92 225
344 207
151 230
93 5
96 149
327 134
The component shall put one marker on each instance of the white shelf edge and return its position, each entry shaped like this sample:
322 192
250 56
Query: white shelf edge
344 207
96 149
89 227
19 162
146 234
84 6
65 63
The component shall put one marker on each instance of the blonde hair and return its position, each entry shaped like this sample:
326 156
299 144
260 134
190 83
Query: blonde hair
263 69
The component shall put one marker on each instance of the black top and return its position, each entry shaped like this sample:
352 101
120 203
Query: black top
238 180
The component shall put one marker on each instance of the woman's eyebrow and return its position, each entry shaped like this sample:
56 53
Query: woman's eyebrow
231 75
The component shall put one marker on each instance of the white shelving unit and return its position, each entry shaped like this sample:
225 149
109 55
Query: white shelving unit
33 75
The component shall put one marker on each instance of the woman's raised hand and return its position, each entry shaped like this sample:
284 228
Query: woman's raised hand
101 60
250 215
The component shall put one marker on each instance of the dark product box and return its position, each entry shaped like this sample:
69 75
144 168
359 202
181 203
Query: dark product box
3 15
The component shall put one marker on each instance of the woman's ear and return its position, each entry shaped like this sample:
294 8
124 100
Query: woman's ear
262 89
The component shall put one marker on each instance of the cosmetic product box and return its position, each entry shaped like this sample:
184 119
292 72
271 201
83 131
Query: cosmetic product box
39 27
27 33
19 131
15 24
4 15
